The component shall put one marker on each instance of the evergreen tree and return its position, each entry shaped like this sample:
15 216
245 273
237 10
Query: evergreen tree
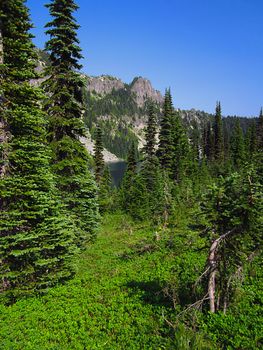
65 110
35 237
165 148
218 134
237 146
98 155
180 155
105 190
195 142
131 160
150 134
260 131
133 188
208 142
251 141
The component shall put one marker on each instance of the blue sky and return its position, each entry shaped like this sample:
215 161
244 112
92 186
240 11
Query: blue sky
205 50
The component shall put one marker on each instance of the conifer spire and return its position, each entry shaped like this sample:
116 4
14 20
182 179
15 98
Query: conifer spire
98 155
218 134
65 109
150 134
165 137
260 130
35 237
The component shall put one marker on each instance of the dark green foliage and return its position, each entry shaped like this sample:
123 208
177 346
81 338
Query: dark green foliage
208 142
133 189
36 238
165 147
64 108
234 210
98 155
260 131
241 327
237 146
105 190
180 149
251 141
131 160
218 134
157 192
150 134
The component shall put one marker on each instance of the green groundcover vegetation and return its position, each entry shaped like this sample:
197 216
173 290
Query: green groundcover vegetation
125 296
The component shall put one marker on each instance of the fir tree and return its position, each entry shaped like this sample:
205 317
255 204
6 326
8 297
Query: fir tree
150 134
237 146
131 160
98 155
35 237
208 142
65 110
260 131
165 148
251 141
180 148
105 190
134 191
218 134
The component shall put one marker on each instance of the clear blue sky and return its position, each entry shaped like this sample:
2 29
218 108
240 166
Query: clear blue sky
205 50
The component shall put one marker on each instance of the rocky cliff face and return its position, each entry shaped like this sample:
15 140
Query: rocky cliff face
143 91
141 88
104 84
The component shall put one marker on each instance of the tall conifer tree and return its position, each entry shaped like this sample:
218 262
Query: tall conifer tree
237 145
35 238
218 134
208 142
65 110
150 134
179 148
260 131
251 141
98 155
165 148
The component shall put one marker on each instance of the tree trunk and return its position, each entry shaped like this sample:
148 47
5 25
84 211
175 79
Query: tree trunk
212 266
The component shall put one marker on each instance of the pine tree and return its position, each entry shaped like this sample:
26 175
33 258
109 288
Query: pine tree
105 190
237 146
218 134
35 237
180 149
64 107
208 142
98 155
165 148
131 159
251 141
132 188
150 134
260 131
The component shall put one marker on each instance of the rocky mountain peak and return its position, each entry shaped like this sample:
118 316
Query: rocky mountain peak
104 84
143 90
